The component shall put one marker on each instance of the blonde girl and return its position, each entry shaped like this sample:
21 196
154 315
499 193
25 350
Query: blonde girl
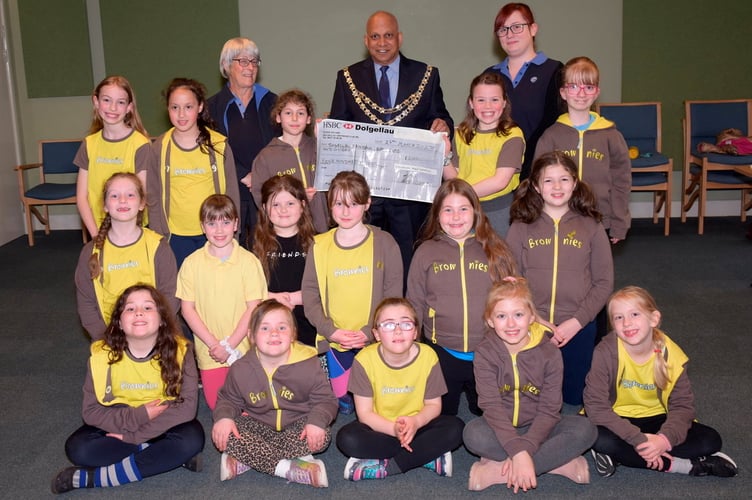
639 395
489 149
117 142
522 433
459 258
121 254
596 146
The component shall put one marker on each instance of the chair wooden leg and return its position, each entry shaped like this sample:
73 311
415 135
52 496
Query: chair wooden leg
29 225
689 196
667 211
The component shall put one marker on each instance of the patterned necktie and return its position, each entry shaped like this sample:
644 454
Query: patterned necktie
384 98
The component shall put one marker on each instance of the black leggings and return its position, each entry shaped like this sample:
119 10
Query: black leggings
90 447
442 434
701 441
459 378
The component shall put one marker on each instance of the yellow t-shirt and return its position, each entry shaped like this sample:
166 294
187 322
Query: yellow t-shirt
636 395
129 382
192 180
122 267
345 280
478 160
106 158
220 290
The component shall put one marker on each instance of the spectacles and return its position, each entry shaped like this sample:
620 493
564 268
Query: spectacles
574 89
514 28
390 326
245 62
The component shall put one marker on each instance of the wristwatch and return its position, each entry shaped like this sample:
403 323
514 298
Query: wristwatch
448 159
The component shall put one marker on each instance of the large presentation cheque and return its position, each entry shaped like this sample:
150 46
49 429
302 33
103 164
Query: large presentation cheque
397 162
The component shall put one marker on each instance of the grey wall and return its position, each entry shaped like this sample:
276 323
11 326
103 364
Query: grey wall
304 43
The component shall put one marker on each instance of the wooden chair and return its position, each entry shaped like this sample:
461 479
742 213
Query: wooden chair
640 124
55 158
702 172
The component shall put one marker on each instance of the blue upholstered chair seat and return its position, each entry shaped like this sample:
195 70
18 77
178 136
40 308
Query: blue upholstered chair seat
722 176
52 191
726 159
641 179
651 159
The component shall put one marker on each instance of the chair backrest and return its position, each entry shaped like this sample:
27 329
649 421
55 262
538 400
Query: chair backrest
706 119
638 122
57 156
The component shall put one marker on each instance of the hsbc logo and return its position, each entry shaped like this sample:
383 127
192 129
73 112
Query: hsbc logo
348 125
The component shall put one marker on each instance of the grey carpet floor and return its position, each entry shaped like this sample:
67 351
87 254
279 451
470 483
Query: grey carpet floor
701 283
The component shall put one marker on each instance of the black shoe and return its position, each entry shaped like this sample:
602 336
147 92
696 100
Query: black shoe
604 466
63 481
718 464
196 463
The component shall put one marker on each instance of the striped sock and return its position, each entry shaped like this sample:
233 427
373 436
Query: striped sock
117 474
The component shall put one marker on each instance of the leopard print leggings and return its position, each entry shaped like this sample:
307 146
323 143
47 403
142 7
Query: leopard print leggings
261 447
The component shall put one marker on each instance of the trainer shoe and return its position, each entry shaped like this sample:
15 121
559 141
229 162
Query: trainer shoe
196 463
718 464
604 466
311 472
230 467
63 481
441 465
365 468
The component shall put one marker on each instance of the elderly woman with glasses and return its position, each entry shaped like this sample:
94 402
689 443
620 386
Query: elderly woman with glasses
241 111
532 80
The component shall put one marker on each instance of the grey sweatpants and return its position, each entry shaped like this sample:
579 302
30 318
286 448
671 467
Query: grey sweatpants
570 438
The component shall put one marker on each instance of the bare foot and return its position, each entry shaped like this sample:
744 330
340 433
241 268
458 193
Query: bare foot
576 469
485 473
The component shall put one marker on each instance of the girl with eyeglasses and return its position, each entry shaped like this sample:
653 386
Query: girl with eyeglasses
531 79
397 385
596 146
459 258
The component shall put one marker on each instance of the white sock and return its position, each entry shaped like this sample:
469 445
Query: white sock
283 466
680 466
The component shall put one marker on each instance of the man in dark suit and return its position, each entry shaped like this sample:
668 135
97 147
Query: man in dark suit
390 89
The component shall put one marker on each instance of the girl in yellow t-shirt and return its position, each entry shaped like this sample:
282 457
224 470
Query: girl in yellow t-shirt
139 399
190 162
117 142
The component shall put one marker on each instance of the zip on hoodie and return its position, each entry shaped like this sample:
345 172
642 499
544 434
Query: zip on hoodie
463 285
516 391
555 272
275 402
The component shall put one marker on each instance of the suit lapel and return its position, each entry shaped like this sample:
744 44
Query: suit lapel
364 78
406 84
